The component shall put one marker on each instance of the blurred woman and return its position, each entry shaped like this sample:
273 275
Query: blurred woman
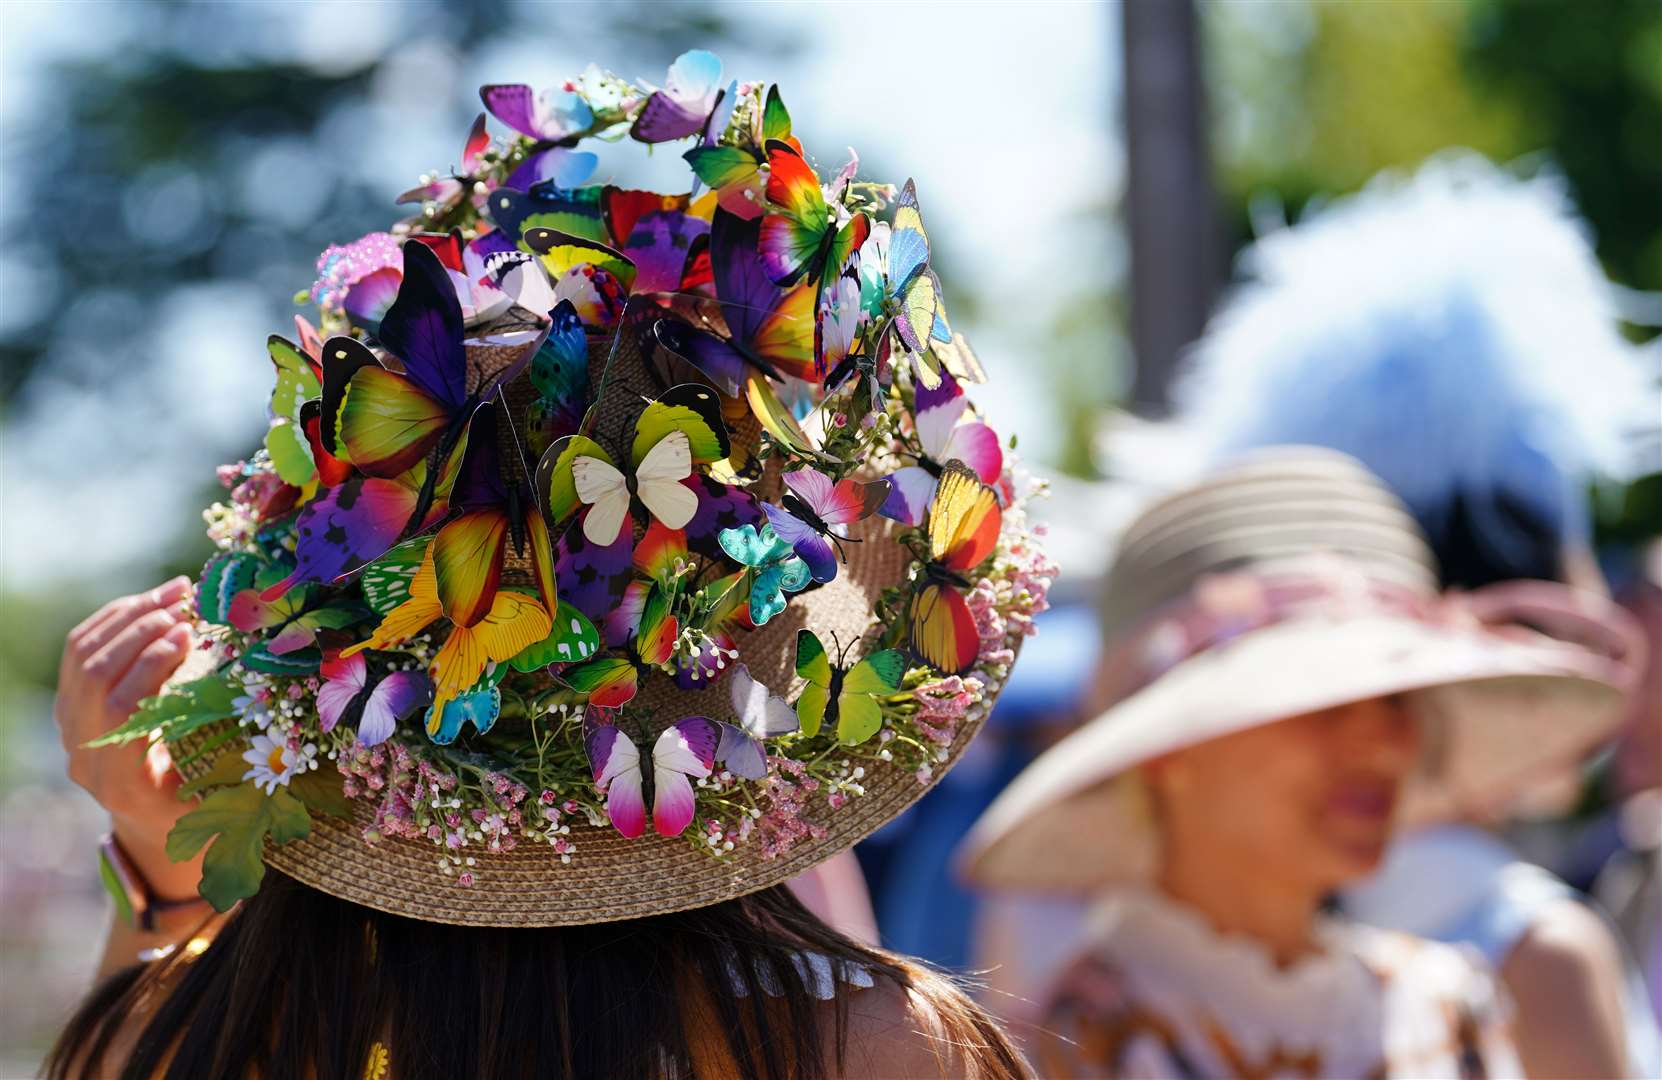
1284 672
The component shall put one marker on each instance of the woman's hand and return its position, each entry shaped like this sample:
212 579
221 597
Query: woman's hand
118 656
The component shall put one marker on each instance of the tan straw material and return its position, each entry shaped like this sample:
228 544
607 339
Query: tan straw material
611 877
1500 708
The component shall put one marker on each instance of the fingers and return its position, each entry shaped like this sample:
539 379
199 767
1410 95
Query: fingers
99 628
155 661
109 664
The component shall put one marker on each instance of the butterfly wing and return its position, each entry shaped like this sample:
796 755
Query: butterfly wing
395 698
691 409
561 252
344 680
609 682
423 328
593 576
685 749
859 714
467 555
573 638
742 753
569 211
348 526
964 520
686 101
770 584
655 635
810 546
615 764
770 324
791 237
515 621
386 581
599 484
297 383
943 631
814 667
761 713
658 481
911 489
478 707
552 115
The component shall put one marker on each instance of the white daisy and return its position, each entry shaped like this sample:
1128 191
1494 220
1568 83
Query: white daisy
272 762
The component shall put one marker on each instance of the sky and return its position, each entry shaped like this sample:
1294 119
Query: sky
1004 115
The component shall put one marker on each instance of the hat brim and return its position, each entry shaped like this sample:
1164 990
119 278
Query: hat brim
1076 819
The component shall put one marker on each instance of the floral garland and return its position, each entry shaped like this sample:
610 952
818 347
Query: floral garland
445 615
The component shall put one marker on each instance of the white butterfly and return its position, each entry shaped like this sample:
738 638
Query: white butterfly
657 483
762 715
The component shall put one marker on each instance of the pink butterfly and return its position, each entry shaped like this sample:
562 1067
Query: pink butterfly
943 439
814 512
685 749
379 707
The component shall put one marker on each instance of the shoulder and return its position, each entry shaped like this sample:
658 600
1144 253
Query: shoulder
1565 976
929 1030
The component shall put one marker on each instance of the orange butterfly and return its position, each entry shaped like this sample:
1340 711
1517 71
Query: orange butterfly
964 521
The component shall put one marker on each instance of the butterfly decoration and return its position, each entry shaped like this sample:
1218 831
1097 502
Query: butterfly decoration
942 438
561 253
550 116
684 105
845 698
559 371
299 380
907 289
661 235
376 701
773 569
290 622
770 329
963 526
679 430
801 238
447 192
550 164
760 714
683 751
736 172
386 581
813 508
573 638
513 622
571 211
479 707
610 681
725 604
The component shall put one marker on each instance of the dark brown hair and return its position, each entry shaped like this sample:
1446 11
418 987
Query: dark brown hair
300 985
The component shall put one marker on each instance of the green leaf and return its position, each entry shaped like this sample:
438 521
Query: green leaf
322 790
236 821
177 712
226 769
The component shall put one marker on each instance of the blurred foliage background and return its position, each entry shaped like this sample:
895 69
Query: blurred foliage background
172 170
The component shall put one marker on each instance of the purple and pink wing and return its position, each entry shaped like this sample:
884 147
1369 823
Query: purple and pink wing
346 527
566 168
343 681
685 749
615 764
911 490
811 547
394 698
683 106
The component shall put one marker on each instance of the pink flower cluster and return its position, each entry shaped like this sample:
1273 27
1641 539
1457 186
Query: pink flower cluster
943 703
342 266
786 791
407 788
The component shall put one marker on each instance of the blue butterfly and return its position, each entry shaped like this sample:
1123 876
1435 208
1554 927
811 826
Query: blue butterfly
479 707
774 568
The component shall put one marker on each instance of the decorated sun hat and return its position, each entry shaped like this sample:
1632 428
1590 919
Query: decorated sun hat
1289 582
611 552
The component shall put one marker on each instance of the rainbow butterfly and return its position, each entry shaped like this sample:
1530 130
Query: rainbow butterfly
735 173
800 238
376 701
942 438
690 94
683 751
845 697
559 372
963 527
773 569
610 682
290 622
761 714
813 508
661 235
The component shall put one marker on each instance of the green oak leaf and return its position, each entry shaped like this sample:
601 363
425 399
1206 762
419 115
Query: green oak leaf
236 821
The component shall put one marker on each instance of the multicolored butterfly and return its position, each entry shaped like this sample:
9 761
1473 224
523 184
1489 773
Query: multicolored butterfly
661 235
595 295
964 522
812 511
560 374
761 714
376 704
801 238
844 697
773 569
385 421
554 164
684 751
684 105
552 115
769 329
610 682
735 173
290 622
479 707
573 211
514 622
561 253
942 438
682 428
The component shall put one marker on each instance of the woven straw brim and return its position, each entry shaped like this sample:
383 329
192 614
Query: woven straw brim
611 878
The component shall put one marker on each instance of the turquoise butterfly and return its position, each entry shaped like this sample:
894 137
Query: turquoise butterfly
774 569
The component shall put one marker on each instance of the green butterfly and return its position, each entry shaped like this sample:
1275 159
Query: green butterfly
297 383
844 696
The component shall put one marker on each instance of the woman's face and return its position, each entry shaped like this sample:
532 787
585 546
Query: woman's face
1308 799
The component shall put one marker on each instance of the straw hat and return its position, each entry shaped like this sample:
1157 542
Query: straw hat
510 821
1289 583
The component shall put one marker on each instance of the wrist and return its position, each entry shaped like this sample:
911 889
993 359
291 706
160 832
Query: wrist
167 881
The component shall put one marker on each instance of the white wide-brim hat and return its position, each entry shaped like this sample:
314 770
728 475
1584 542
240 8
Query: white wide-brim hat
1290 583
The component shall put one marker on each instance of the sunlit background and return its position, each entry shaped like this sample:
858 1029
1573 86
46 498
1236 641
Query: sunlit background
172 170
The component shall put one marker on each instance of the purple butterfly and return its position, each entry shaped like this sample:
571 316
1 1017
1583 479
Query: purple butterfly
553 115
812 510
762 714
347 691
683 106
